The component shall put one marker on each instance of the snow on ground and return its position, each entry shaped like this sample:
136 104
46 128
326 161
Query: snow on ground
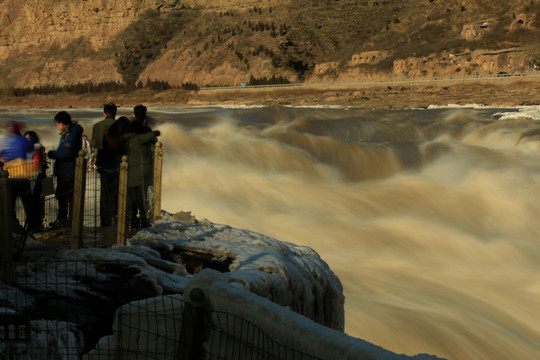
285 273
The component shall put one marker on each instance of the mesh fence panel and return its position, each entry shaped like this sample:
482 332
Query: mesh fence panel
38 198
55 302
77 310
232 337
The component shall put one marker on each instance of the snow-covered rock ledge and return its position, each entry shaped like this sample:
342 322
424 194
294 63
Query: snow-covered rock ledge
286 274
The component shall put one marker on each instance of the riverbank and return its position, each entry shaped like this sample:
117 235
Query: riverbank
512 91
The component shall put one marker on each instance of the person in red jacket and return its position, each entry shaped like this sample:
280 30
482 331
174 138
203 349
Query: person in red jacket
40 166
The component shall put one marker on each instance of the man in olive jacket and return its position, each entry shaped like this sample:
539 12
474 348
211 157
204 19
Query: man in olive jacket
137 147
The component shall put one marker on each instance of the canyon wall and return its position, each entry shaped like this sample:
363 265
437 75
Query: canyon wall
38 24
227 42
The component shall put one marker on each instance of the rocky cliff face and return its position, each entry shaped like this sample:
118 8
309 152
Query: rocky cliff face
48 42
39 24
59 42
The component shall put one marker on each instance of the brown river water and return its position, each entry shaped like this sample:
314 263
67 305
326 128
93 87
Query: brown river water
430 218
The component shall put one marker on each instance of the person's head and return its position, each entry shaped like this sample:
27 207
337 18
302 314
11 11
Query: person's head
121 127
14 127
32 136
62 119
123 121
109 109
139 113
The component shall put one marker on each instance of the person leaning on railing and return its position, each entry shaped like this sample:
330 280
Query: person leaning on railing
137 146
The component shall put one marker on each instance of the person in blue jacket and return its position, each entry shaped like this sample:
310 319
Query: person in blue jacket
17 147
64 166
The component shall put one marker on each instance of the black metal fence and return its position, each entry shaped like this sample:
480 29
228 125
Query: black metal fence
44 316
34 210
74 310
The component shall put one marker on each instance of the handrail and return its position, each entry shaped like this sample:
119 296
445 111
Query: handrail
375 81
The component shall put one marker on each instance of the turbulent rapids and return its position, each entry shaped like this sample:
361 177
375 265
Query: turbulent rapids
428 217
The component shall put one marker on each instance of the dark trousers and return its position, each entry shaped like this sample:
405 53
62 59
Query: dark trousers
137 203
21 189
108 201
38 205
64 195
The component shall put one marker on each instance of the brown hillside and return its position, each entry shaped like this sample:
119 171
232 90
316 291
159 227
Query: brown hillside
55 43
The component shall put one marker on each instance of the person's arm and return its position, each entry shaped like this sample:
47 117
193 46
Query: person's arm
28 146
66 149
147 137
95 142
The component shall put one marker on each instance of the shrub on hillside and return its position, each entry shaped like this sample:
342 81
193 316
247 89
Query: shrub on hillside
143 40
274 80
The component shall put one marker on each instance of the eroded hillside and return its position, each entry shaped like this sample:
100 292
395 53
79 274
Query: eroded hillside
55 43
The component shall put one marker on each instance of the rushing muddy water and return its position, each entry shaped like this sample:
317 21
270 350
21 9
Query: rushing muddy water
430 218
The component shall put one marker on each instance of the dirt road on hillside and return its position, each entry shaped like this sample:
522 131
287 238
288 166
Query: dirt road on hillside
510 91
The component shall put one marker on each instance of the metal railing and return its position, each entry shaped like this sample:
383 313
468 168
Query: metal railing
36 194
453 78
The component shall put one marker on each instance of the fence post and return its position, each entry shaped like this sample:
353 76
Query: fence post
158 170
122 202
192 336
79 191
7 271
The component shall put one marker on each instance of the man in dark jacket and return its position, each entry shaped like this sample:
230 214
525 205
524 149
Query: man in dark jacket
64 166
107 166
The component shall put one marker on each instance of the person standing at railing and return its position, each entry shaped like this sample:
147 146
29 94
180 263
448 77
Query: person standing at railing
114 139
39 163
140 167
64 166
13 153
107 166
